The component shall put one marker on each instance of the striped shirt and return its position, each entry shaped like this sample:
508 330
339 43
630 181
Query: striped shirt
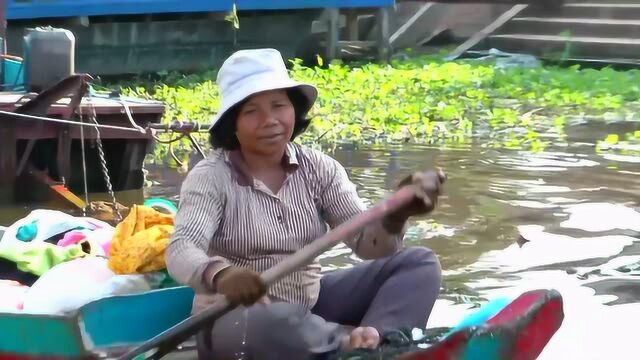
226 217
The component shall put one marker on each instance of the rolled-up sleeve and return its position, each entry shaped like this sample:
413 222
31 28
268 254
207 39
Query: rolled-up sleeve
197 219
340 202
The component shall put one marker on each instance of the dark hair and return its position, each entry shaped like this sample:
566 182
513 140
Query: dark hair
223 133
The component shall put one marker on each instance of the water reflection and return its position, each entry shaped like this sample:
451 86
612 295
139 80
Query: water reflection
589 217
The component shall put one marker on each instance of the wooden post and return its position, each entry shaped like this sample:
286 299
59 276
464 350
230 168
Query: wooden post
132 159
3 25
7 160
384 48
64 154
333 33
352 25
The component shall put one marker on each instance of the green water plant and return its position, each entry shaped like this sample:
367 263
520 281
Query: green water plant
424 99
627 144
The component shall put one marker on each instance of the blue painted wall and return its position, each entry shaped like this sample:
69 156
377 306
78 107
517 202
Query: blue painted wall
21 9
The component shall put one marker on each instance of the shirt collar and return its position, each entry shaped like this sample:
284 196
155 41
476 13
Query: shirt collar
241 172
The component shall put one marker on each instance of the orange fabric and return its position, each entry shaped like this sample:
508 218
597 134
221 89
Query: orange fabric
140 240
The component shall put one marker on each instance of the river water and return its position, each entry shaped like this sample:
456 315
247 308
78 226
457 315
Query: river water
510 221
567 218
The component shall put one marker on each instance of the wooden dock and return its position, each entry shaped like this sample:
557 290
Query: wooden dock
116 37
601 32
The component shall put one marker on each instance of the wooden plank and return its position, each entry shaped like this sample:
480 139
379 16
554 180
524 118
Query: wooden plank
360 44
407 25
482 34
10 100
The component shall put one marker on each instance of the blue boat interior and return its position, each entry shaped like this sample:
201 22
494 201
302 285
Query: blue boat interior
115 322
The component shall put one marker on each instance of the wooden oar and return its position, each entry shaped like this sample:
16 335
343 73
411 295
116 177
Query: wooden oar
176 335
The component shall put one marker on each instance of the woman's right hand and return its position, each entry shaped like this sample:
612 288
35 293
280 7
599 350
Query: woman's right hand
240 286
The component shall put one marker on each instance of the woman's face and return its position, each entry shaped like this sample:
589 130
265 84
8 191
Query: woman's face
265 122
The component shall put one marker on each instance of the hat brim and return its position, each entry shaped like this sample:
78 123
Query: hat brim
258 84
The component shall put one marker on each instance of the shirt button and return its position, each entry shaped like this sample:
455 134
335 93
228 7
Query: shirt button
280 219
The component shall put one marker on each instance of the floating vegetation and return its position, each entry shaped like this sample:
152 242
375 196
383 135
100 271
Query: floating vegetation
629 144
426 100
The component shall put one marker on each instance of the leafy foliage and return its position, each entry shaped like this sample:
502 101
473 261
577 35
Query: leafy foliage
424 99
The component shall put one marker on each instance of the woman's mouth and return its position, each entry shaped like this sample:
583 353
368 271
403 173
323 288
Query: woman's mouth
270 136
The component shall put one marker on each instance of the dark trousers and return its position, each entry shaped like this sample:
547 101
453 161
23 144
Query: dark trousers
389 294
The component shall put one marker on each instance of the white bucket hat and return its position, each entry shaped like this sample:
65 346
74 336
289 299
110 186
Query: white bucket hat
247 72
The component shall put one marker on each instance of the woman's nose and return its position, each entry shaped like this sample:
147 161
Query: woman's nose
268 118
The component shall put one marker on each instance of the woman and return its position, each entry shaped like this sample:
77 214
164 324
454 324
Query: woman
259 198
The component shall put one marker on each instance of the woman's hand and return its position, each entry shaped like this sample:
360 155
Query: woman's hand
240 286
428 185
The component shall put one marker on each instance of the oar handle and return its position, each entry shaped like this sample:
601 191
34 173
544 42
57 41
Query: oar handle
168 340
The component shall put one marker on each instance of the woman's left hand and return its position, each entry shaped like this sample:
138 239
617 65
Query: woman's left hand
428 185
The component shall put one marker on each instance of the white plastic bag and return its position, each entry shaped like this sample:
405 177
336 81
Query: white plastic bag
47 223
70 285
12 295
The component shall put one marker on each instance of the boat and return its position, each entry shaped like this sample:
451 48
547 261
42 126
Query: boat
101 329
518 328
514 329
